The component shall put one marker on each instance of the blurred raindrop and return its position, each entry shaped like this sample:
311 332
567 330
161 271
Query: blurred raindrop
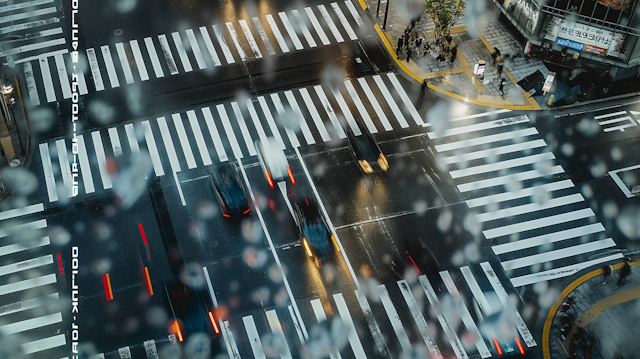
101 266
588 127
616 153
261 295
275 274
420 207
410 9
439 117
251 230
598 168
41 119
629 221
59 236
444 220
333 77
124 6
101 112
131 182
587 192
10 347
170 351
254 258
156 316
102 231
567 149
472 252
206 210
198 346
192 275
22 182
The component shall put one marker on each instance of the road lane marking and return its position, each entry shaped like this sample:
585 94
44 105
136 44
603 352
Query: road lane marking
354 340
283 190
548 238
296 324
43 344
25 265
558 254
398 328
28 14
65 167
318 310
82 84
343 21
155 61
27 284
293 139
243 128
223 328
504 298
373 325
175 177
231 339
29 226
494 151
153 149
168 144
217 29
124 63
501 165
363 111
273 251
390 101
480 127
525 192
330 112
449 331
25 48
237 153
182 53
166 51
465 315
26 4
102 159
510 178
419 319
292 33
195 48
274 129
374 101
28 304
236 41
254 338
316 26
250 39
529 208
296 110
560 272
23 211
215 135
209 44
150 349
263 35
137 55
111 70
405 98
63 76
538 223
315 115
184 140
197 133
354 13
300 22
31 84
256 121
487 139
483 114
276 329
329 21
277 33
609 115
478 294
85 168
46 79
346 112
115 142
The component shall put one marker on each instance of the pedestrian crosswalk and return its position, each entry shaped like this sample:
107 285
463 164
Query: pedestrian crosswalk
446 314
36 320
539 224
181 52
198 137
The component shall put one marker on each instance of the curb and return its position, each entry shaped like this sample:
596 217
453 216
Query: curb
546 352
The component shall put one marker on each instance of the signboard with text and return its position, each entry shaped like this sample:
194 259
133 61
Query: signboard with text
586 38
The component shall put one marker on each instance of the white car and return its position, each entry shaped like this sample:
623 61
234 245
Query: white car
273 162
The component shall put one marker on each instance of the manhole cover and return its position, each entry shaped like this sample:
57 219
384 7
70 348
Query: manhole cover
118 32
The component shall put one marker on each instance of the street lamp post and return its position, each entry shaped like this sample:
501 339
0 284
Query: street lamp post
386 12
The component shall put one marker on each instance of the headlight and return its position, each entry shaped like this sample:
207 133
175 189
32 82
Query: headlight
382 161
365 166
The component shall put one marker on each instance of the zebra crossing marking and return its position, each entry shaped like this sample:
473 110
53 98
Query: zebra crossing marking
354 339
43 344
301 25
26 4
243 128
276 32
516 147
346 112
318 310
354 13
209 45
102 159
27 284
274 128
25 265
558 254
418 318
124 62
293 139
316 25
168 144
31 47
236 41
292 33
215 136
31 84
166 51
315 115
182 53
29 226
111 70
474 128
137 55
378 338
374 102
223 44
237 153
276 328
29 324
390 101
363 111
548 238
394 318
26 15
529 208
525 192
28 304
263 35
155 61
46 78
184 141
330 112
510 178
65 167
476 141
296 110
95 69
115 142
196 49
153 149
256 121
254 338
63 76
48 172
197 133
252 42
343 21
329 21
85 168
497 166
22 211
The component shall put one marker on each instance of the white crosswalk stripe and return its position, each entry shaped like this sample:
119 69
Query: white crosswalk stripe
212 50
217 29
166 51
236 41
292 33
504 158
196 49
329 21
343 21
124 62
303 27
142 69
155 61
263 36
182 53
95 70
252 42
316 26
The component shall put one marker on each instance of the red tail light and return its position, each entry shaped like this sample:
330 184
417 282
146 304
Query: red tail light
247 211
226 215
144 236
148 281
520 348
293 181
306 200
107 286
213 321
495 342
178 331
414 263
60 266
266 173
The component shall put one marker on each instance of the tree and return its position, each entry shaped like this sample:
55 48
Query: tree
444 14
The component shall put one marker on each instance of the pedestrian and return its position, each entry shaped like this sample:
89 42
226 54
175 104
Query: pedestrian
624 271
408 54
424 88
407 31
606 272
500 67
400 46
503 83
563 53
495 54
413 22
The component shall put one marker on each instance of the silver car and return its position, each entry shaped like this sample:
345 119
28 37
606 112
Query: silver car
273 162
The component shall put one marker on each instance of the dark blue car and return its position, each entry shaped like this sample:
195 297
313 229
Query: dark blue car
226 185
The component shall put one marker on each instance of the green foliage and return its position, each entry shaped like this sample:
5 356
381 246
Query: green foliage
444 14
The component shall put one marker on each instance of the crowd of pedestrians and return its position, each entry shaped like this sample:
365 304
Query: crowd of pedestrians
417 46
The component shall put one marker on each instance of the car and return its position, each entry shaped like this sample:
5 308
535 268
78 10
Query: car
225 184
312 228
498 327
366 151
273 162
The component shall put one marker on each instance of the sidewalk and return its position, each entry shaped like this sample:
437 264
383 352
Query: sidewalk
609 313
457 80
